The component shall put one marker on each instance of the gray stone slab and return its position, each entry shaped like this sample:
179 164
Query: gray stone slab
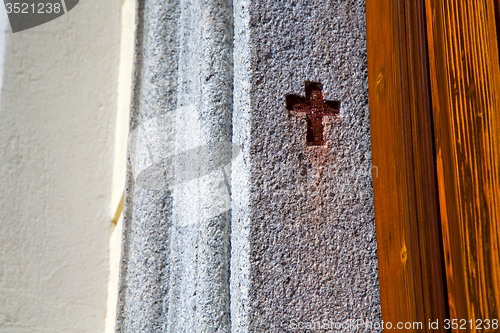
232 222
175 264
145 269
303 232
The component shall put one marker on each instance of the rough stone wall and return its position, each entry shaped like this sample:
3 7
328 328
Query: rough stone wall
283 234
311 220
175 261
144 272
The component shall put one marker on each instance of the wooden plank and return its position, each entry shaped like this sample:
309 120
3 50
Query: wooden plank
411 264
465 79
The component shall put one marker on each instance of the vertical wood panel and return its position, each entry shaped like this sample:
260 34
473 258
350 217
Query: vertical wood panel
465 80
391 203
411 264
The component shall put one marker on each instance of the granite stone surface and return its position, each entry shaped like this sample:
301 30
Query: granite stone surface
175 261
233 222
144 275
308 216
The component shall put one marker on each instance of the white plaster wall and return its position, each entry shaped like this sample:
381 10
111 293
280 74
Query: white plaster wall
57 140
120 154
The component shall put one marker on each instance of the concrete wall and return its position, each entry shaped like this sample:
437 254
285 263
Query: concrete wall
57 130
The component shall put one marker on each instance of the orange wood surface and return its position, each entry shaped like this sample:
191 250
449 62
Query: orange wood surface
409 242
465 81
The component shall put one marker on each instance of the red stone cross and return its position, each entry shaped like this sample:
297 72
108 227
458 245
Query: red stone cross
315 108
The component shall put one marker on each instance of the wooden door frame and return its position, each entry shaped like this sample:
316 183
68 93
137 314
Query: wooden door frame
410 254
465 81
437 196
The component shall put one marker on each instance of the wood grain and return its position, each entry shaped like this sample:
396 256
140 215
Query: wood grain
411 264
465 80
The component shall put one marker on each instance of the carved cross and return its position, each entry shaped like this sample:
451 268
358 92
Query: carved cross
315 109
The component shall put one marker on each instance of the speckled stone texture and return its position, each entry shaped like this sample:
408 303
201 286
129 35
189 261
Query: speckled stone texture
144 273
308 218
232 222
175 263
